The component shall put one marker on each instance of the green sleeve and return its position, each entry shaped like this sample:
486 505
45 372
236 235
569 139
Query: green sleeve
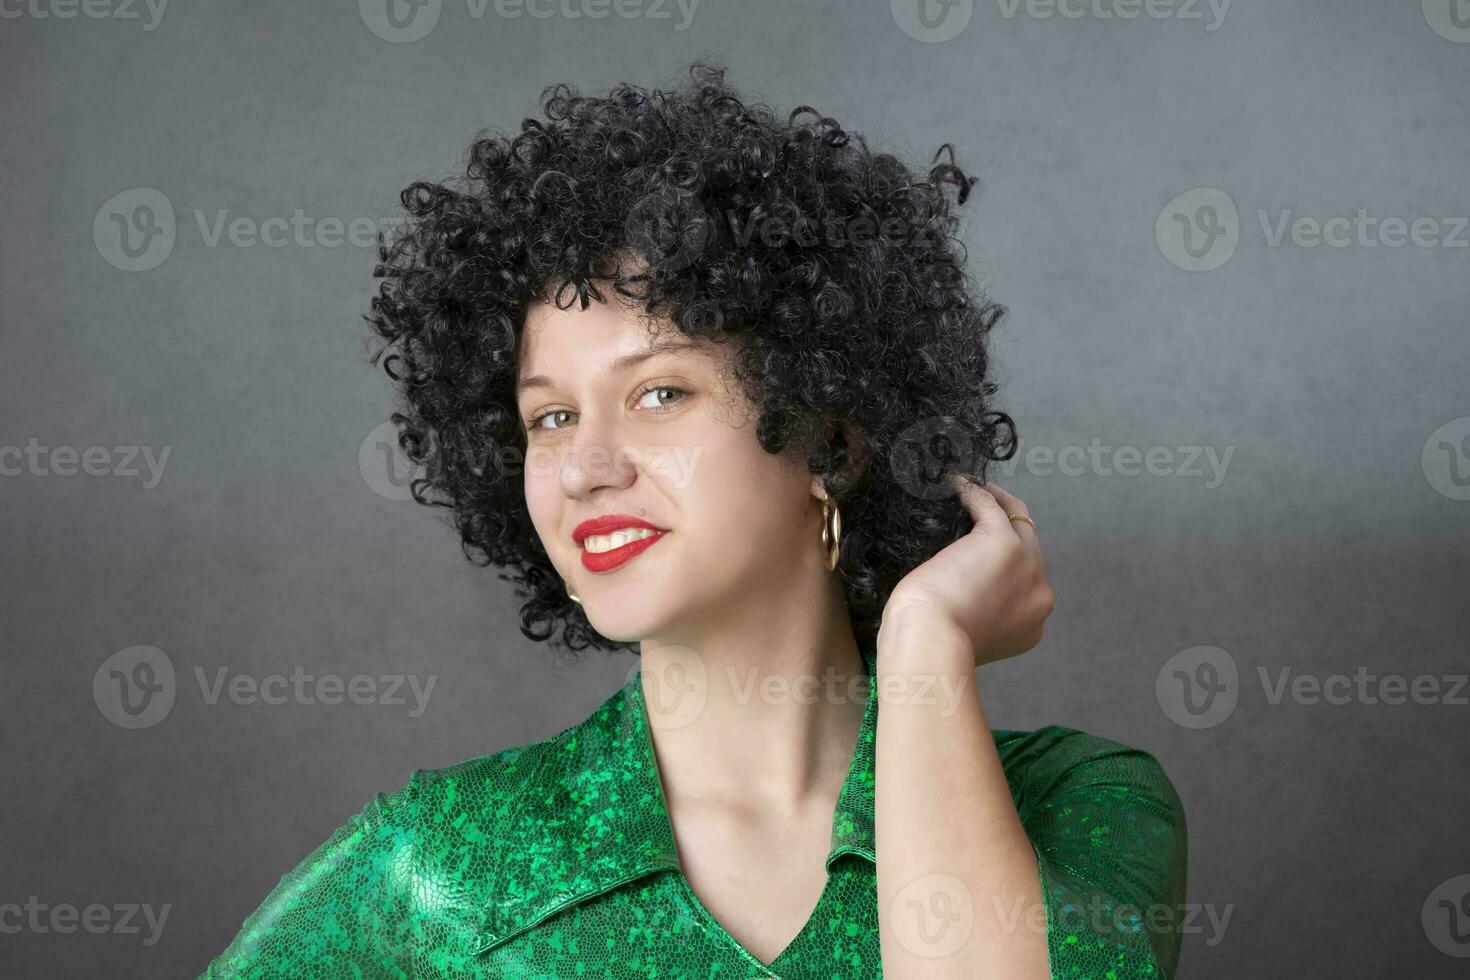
343 911
1111 842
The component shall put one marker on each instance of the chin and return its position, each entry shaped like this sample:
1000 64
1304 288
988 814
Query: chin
625 614
634 610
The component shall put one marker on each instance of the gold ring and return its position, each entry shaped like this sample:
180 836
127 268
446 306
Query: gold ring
1022 517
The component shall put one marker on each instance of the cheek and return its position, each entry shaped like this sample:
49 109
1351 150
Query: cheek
542 501
743 499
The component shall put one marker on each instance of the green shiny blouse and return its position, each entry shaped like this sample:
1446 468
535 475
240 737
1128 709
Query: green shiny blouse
557 860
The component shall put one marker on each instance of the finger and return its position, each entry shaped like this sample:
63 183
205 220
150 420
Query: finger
983 508
1013 504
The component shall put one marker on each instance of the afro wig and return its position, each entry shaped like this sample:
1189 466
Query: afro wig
832 271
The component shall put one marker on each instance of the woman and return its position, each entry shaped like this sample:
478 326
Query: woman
712 387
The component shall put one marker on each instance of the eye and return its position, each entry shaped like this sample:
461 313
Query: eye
654 389
533 424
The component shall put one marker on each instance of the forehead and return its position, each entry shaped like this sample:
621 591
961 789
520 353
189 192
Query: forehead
602 338
615 323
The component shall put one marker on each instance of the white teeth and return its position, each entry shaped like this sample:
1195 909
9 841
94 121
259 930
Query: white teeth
598 543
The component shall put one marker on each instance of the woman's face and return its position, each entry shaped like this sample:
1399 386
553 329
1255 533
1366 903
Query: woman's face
613 433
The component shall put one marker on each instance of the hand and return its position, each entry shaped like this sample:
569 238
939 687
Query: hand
991 583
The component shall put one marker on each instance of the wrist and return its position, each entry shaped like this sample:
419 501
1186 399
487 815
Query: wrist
913 637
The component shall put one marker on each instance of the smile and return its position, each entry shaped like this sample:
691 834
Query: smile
603 553
613 540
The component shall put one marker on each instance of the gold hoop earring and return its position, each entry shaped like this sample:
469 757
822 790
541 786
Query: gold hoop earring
574 597
831 532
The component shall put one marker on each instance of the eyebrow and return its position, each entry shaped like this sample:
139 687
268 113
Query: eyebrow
619 364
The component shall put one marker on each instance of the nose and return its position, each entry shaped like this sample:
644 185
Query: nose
596 456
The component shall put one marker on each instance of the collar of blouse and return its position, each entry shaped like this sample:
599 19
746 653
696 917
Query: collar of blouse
582 813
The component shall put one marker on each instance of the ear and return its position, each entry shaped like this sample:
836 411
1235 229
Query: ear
819 490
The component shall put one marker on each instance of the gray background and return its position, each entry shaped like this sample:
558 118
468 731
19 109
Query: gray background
1329 545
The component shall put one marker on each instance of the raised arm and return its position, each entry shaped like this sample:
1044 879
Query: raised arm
1078 870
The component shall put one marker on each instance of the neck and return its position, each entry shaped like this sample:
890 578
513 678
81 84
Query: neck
782 703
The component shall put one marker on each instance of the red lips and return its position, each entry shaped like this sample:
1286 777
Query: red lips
607 524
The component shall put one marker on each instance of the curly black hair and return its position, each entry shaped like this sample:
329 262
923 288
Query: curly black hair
833 270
